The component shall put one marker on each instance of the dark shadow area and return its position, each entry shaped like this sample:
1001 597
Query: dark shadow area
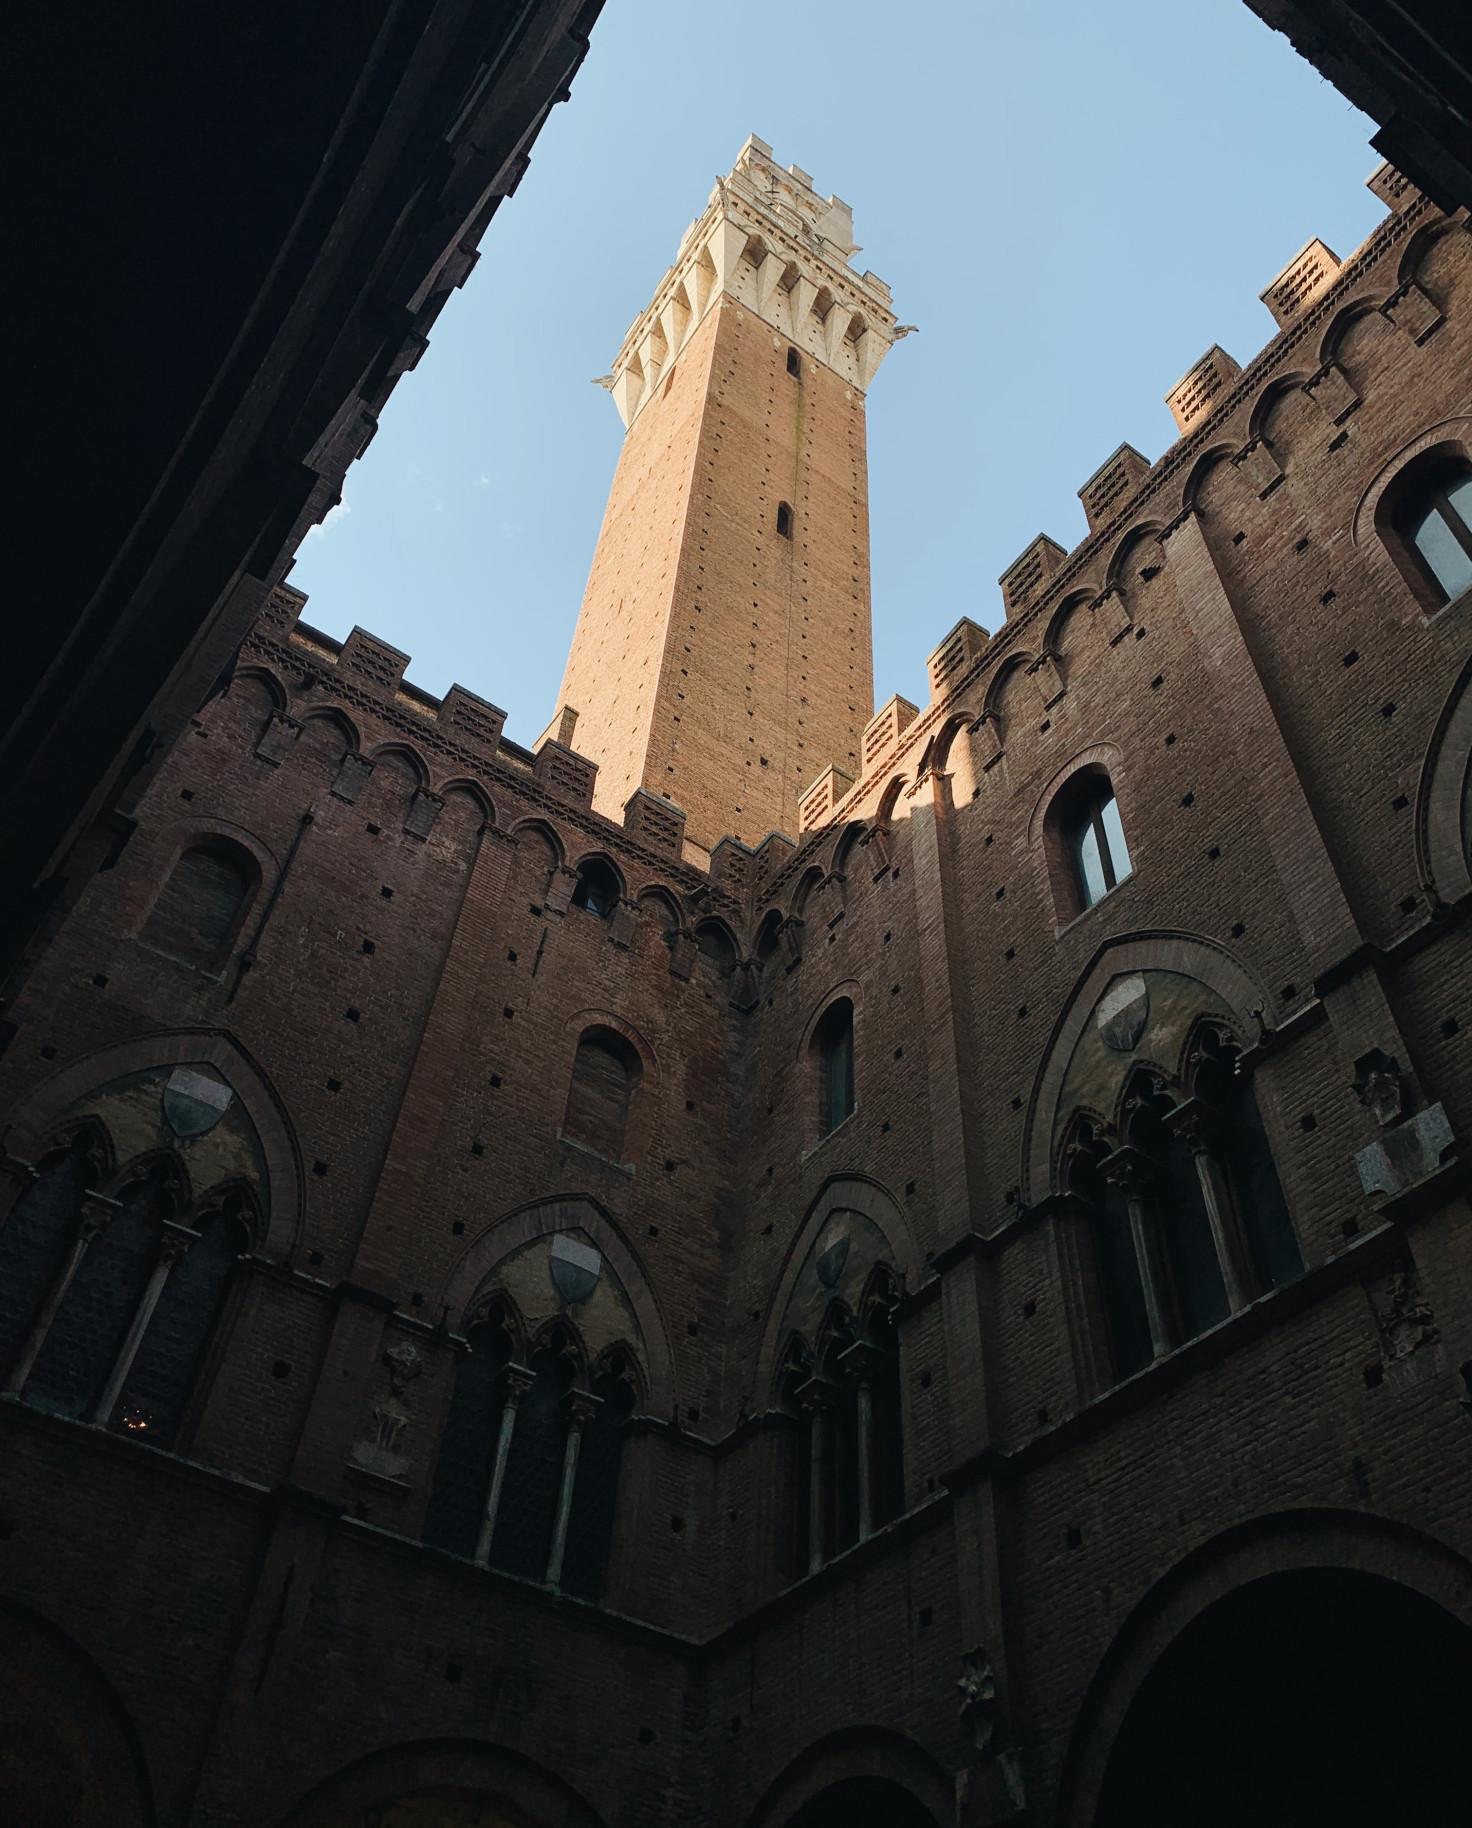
863 1802
1322 1698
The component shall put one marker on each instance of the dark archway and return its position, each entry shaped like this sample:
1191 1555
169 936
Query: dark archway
1316 1698
863 1802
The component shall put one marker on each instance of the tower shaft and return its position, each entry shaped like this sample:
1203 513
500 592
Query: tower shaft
723 653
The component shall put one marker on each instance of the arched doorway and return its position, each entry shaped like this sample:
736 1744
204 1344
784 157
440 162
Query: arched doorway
863 1802
1313 1698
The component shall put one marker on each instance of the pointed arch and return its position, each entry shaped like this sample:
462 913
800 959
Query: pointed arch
543 1218
37 1115
471 789
1124 547
1272 395
1202 468
846 1192
1441 800
543 829
1183 953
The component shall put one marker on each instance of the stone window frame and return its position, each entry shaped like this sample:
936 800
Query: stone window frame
809 1066
1047 842
195 834
1374 534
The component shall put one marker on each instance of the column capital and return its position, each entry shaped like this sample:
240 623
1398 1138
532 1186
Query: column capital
1197 1124
174 1240
98 1212
1128 1167
861 1361
817 1396
581 1407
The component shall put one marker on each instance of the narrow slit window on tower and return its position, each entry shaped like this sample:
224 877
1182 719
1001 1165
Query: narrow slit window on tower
794 363
784 520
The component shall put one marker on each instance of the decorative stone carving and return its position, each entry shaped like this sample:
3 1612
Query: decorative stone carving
574 1267
352 776
194 1102
1379 1086
404 1365
1123 1014
980 1708
1403 1316
1407 1153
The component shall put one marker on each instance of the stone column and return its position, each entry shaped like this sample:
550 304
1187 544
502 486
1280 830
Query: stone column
816 1398
97 1213
860 1364
518 1381
1193 1122
1129 1169
174 1240
582 1406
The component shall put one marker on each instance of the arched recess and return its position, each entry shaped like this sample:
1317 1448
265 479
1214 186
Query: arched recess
1442 810
1415 253
332 729
1183 954
267 680
72 1754
539 828
839 1193
1064 615
543 1218
405 753
186 834
1341 323
1142 533
471 790
939 753
1200 471
893 1770
66 1093
1011 669
1276 391
1276 1545
462 1780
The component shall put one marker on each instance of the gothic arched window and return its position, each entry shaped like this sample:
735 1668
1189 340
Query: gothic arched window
1093 837
72 1370
522 1539
598 888
849 1467
606 1068
199 910
595 1491
1185 1207
1433 518
462 1474
833 1044
38 1236
157 1387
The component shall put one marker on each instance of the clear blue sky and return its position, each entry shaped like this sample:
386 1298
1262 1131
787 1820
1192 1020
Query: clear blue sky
1072 200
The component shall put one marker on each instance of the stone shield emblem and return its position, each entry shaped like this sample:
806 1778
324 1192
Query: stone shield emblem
832 1255
1123 1014
194 1102
575 1268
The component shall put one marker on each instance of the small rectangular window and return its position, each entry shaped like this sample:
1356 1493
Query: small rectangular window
784 520
794 363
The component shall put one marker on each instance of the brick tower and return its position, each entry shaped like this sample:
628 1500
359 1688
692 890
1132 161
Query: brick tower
722 657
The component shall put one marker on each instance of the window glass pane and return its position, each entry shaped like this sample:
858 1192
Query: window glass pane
1459 494
1090 865
1119 854
1442 551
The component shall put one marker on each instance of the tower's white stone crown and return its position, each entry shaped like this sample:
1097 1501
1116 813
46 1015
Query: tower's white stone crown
770 243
